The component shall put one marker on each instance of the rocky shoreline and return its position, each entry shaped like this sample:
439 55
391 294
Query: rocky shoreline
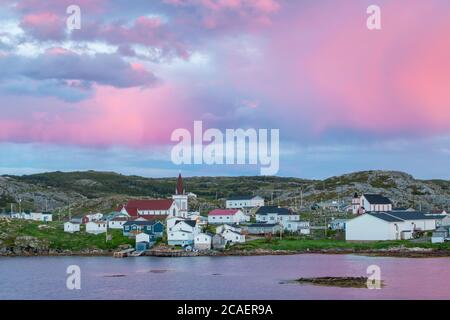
32 249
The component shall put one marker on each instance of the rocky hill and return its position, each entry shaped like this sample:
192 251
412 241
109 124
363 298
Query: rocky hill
91 190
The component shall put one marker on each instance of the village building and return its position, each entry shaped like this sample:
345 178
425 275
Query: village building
440 235
203 241
96 227
273 214
376 226
441 219
218 242
219 216
181 199
337 224
190 225
232 236
370 203
301 227
41 216
81 219
225 226
34 216
180 238
94 216
143 241
71 227
117 222
153 228
263 228
152 209
242 202
182 231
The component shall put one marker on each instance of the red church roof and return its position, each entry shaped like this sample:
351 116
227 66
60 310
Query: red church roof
133 206
223 212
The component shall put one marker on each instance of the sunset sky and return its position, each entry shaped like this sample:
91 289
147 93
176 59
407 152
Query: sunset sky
108 96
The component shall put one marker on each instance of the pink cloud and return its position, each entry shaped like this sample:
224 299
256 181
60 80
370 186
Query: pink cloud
44 25
322 65
132 117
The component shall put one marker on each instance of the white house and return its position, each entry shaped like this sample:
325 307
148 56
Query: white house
232 236
219 216
94 216
244 202
288 219
41 216
142 237
35 216
440 235
441 219
181 231
338 224
117 223
301 227
220 229
387 226
180 238
96 227
203 241
370 203
186 224
71 227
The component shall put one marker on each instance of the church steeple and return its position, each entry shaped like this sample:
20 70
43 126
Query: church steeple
179 190
181 198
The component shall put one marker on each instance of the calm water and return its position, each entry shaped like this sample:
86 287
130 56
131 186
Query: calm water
220 277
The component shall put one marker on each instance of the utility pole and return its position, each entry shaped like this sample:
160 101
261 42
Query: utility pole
301 198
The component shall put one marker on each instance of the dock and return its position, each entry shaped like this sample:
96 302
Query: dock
123 253
136 253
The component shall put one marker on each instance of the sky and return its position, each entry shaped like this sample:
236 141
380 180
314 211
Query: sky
109 95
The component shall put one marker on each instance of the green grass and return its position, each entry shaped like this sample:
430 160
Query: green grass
293 244
58 239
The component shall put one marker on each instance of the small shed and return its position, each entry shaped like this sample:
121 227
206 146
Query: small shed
218 242
439 235
71 227
142 241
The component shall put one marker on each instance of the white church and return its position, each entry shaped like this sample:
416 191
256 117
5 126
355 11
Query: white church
159 209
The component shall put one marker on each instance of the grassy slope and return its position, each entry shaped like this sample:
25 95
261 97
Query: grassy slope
293 244
58 239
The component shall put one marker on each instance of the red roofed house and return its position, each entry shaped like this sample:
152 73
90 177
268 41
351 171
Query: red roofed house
219 216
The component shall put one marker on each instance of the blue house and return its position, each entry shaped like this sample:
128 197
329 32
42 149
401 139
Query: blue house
153 228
